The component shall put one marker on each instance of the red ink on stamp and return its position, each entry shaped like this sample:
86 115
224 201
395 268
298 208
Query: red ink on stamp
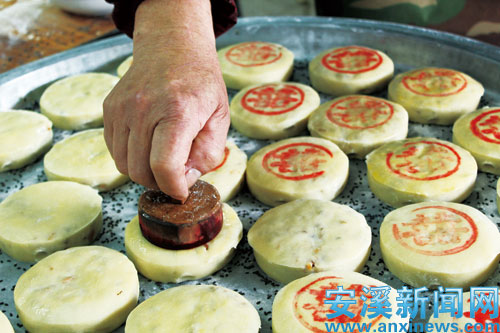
310 309
486 126
424 160
360 112
226 154
440 226
352 60
273 99
253 54
435 82
297 161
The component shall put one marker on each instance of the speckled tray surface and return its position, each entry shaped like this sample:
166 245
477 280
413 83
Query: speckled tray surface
409 48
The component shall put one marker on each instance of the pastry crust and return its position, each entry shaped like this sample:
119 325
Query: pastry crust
82 289
297 168
84 158
124 66
75 102
420 169
5 326
24 136
228 176
358 124
164 265
478 133
307 236
435 95
251 63
439 244
47 217
350 70
194 308
273 110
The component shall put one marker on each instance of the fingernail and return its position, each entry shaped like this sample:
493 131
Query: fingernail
192 176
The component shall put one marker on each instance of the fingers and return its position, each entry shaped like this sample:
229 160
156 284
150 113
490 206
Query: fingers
138 157
119 148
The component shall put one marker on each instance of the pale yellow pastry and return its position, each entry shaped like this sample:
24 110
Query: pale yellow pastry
358 123
297 168
194 308
124 66
420 169
47 217
440 244
307 236
250 63
229 175
82 289
300 306
84 158
273 110
435 95
75 102
5 326
479 133
163 265
350 70
24 136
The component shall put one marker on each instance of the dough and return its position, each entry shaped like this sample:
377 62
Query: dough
299 307
124 67
5 326
164 265
297 168
350 70
24 135
420 169
439 243
307 236
75 102
82 289
190 308
479 133
358 124
84 158
250 63
273 110
47 217
435 95
228 176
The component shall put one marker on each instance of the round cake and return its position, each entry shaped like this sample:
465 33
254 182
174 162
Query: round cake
124 66
251 63
297 168
5 326
273 110
358 123
420 169
350 70
435 95
440 244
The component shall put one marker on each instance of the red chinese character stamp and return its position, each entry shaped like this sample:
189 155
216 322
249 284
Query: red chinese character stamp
297 161
435 82
226 154
486 126
436 231
360 112
253 54
273 99
352 60
423 160
310 308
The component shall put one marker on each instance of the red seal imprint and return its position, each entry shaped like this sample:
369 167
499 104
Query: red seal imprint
273 99
297 161
226 154
435 82
483 317
486 126
310 309
423 160
352 60
360 112
437 231
253 54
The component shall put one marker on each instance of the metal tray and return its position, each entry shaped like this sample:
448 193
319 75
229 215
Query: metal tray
409 47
